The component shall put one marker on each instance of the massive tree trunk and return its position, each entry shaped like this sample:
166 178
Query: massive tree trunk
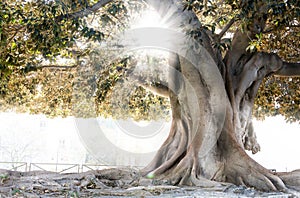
211 122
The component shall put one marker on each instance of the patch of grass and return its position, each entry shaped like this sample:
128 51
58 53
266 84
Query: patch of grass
3 178
73 194
16 191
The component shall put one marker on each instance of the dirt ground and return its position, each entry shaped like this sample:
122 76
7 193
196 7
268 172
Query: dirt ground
112 183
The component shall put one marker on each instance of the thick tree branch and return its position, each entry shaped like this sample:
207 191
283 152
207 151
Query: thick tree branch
173 12
33 68
87 11
288 70
226 28
57 66
155 87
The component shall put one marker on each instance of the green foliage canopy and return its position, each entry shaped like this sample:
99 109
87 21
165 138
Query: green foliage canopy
48 52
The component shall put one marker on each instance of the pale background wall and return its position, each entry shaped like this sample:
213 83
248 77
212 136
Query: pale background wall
35 138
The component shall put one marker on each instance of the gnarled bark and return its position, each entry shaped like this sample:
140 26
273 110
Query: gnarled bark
180 157
202 147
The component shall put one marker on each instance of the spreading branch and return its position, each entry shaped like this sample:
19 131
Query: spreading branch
288 70
87 11
35 68
57 66
155 87
226 28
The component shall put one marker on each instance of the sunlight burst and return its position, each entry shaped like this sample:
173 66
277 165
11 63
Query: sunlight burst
151 31
149 18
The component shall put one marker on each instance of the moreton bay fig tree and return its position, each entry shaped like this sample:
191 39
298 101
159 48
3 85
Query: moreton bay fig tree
226 62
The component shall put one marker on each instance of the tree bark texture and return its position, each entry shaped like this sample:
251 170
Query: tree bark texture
207 142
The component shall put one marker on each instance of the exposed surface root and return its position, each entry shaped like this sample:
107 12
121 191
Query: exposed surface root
186 172
109 183
291 179
243 170
171 151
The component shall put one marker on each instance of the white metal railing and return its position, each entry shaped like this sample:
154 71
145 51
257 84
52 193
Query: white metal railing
56 167
14 166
